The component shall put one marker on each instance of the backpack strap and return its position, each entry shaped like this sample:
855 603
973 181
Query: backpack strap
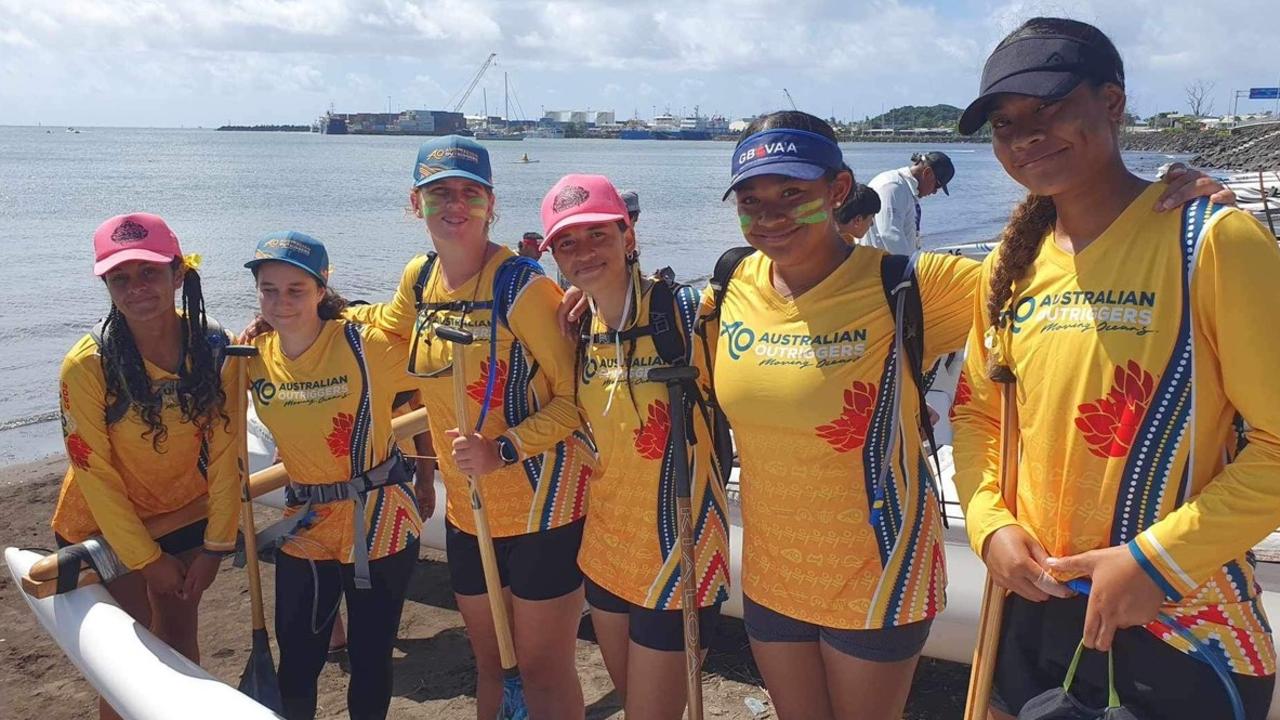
424 274
902 293
512 276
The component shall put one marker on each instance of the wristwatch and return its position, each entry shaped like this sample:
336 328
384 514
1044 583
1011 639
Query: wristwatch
507 450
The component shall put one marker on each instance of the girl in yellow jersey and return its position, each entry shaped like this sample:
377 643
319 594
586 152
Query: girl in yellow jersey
842 552
1134 338
324 387
531 460
629 553
147 428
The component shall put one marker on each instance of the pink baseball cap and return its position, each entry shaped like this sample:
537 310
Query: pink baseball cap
580 200
136 236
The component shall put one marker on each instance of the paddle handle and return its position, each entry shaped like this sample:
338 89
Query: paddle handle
246 504
484 537
991 616
684 538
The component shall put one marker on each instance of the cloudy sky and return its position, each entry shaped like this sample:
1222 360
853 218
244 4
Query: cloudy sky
210 62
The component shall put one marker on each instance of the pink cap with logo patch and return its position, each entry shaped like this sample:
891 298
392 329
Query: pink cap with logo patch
136 236
580 200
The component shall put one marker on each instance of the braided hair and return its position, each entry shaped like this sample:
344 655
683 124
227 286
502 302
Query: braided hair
199 392
1032 219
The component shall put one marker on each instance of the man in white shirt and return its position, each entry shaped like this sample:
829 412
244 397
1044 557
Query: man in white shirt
897 225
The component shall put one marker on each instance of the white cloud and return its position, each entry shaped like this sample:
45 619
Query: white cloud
258 59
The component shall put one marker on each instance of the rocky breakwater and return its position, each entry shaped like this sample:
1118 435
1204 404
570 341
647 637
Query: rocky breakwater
1251 148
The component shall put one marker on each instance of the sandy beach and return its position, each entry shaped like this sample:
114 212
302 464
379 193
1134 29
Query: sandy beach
433 664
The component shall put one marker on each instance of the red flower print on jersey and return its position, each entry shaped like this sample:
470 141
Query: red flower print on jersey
78 450
340 439
476 389
964 394
651 437
1110 423
849 430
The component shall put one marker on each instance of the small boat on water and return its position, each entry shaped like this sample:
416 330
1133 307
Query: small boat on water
524 160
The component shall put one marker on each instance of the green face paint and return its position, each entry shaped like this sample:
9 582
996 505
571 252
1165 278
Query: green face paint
744 221
479 207
809 213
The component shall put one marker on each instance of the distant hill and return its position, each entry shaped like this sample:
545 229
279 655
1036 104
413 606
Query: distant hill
917 116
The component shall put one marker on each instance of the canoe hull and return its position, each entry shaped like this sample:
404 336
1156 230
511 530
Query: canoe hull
142 678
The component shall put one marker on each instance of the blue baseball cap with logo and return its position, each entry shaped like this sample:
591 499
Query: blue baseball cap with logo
798 154
295 248
452 156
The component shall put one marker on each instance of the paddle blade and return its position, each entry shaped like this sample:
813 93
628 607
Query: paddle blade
259 678
513 707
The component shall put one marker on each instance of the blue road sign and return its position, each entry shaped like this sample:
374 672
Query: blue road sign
1271 93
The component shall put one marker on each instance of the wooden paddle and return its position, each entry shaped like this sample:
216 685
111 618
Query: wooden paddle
992 614
42 579
513 704
675 377
258 680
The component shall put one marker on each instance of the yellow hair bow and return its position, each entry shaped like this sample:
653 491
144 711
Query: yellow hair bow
192 261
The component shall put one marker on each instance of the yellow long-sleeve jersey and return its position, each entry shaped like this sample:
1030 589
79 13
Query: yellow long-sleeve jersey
117 478
1132 358
329 410
629 543
840 518
531 402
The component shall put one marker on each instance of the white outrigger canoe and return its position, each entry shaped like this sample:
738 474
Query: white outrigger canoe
144 679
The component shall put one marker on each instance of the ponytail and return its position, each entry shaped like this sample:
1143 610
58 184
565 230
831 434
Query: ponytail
1019 246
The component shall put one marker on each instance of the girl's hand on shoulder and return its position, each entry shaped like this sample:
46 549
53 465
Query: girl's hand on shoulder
1186 184
257 326
572 307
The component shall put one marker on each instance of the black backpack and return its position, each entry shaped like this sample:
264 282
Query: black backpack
897 274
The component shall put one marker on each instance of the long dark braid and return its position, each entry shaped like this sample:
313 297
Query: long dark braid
1019 246
1032 219
200 395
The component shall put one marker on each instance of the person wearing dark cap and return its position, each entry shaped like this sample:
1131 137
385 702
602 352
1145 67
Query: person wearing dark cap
897 225
856 216
631 199
1133 338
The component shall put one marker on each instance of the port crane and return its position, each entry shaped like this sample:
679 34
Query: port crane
474 81
793 102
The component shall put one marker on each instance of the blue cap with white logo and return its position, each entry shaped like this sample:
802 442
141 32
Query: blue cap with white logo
295 248
452 156
798 154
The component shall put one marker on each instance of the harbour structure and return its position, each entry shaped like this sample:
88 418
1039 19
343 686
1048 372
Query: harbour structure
407 122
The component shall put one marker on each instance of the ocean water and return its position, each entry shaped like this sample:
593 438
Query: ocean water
220 191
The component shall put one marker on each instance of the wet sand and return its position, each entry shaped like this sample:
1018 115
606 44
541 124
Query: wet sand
433 663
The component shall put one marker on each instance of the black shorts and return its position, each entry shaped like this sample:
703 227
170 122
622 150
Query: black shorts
1153 678
654 629
536 566
882 645
177 542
